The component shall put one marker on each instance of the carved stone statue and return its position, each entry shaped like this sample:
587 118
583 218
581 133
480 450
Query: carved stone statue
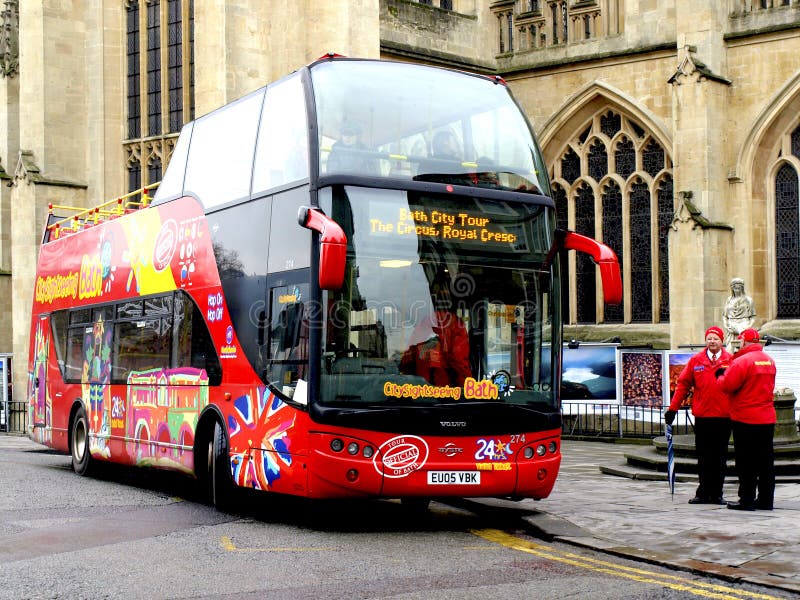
739 313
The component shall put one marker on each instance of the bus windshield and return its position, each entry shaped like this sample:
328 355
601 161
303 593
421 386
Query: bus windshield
395 120
445 300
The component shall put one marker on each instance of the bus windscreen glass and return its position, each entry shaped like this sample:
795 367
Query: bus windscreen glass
444 301
401 121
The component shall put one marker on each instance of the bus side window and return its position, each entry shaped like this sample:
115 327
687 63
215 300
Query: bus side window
192 344
79 320
282 146
58 323
288 336
140 345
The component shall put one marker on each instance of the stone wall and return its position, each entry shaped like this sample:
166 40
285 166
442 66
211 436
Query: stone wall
418 31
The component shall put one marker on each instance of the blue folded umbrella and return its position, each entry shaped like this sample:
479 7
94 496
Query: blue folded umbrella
670 461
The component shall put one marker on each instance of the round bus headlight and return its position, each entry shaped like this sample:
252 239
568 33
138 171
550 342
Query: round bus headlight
368 451
352 448
528 452
337 445
541 450
552 446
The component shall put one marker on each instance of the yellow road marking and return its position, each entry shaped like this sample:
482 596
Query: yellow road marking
698 588
229 546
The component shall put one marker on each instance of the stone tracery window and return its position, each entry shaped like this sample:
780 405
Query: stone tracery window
625 158
787 234
642 262
571 166
585 269
612 237
159 86
633 175
666 212
598 160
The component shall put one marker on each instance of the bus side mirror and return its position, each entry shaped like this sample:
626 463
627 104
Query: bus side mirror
332 246
604 257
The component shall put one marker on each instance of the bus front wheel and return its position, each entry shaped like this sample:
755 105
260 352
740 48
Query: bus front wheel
82 462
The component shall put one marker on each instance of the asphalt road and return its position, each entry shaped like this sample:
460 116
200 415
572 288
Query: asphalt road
140 534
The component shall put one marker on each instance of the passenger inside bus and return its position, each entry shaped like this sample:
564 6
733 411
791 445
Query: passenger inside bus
438 349
348 155
445 146
445 163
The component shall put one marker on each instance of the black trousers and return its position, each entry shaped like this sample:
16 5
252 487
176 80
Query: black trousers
711 435
755 462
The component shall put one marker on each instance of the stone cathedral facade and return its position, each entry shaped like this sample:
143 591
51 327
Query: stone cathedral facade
671 128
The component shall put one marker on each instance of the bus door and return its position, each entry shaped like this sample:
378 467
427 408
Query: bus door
38 384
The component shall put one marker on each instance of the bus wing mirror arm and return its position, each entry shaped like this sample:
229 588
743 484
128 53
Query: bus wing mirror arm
332 246
602 255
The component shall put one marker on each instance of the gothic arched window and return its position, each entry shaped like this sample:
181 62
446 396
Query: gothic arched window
570 166
610 123
598 160
630 214
642 263
134 174
666 211
612 237
625 158
653 159
154 170
787 236
160 96
585 288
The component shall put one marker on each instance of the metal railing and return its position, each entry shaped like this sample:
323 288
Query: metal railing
581 419
80 218
15 419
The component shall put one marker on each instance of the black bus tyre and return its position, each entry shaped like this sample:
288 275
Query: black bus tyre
82 462
221 487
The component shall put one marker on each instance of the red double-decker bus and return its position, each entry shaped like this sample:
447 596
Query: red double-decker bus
347 285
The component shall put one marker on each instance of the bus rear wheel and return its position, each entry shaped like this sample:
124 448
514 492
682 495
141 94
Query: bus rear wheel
220 488
82 462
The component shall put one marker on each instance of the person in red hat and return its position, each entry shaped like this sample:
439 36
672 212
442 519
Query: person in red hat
750 383
712 427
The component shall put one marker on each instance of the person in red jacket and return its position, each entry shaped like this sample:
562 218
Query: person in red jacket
439 346
712 427
750 383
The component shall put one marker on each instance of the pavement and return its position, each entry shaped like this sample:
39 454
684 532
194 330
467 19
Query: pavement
639 519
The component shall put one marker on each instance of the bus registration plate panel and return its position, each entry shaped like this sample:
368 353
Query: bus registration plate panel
454 477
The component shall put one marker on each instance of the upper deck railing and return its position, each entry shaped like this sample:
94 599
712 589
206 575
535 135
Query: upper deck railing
82 218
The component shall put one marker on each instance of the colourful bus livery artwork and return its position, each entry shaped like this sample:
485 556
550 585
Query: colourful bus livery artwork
163 405
327 320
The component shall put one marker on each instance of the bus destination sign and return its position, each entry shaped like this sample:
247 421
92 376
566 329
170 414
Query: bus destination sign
447 225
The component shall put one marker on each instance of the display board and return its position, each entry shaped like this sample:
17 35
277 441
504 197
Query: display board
589 374
676 363
642 378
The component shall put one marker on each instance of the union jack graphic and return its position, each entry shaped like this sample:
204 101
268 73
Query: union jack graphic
260 423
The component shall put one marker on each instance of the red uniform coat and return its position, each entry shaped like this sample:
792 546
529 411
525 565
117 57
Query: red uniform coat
750 383
708 400
439 350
